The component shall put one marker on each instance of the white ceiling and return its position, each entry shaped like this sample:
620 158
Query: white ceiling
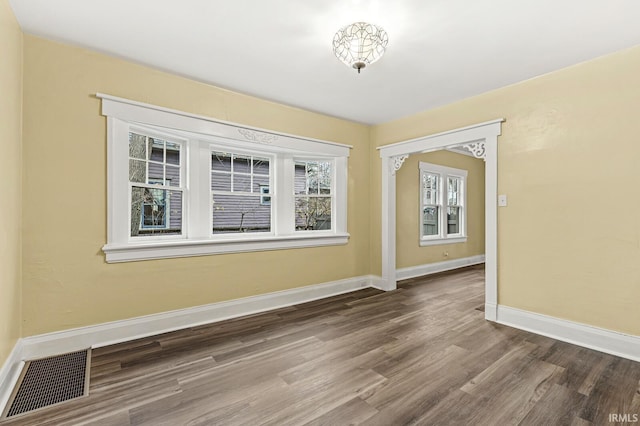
439 51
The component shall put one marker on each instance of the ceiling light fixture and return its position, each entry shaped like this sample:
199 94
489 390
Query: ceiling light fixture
360 44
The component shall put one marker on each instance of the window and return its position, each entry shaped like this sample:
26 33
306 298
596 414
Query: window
183 185
313 197
239 183
442 205
154 181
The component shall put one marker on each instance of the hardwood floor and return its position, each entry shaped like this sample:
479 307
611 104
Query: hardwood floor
420 355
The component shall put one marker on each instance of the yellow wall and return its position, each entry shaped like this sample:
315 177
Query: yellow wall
10 178
66 280
569 241
568 159
409 253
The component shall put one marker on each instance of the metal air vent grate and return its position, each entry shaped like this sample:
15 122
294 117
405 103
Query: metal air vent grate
49 381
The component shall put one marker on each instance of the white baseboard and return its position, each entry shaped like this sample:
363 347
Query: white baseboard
124 330
433 268
599 339
10 373
43 345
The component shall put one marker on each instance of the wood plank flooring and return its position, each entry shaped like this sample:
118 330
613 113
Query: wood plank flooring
420 355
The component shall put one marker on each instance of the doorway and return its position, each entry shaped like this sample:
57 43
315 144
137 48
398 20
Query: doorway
479 139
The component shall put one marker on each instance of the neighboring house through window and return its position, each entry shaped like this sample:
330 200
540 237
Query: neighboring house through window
239 183
442 206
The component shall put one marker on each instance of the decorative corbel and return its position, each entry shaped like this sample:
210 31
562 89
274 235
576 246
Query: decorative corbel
477 149
396 163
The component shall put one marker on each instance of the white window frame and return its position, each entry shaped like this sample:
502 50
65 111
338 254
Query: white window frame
159 134
443 174
200 136
331 194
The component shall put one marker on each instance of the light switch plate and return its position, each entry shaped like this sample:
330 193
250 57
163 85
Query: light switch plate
502 200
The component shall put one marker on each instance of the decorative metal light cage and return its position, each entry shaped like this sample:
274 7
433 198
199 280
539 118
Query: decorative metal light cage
360 44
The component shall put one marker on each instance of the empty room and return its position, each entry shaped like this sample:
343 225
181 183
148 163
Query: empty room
319 212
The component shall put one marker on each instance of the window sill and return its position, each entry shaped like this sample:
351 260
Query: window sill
440 241
147 250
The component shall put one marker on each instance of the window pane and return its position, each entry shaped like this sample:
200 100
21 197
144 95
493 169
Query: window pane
430 188
220 182
300 179
137 171
241 183
313 177
220 162
172 175
153 170
156 173
241 164
453 185
245 173
453 220
173 153
260 182
156 148
155 212
137 147
324 177
313 213
430 221
236 213
260 166
154 205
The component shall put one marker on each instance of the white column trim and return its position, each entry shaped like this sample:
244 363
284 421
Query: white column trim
491 227
388 225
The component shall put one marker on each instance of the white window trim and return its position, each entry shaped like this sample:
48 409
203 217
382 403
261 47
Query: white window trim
443 237
200 134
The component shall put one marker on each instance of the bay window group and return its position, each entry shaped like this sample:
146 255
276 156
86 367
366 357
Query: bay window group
175 192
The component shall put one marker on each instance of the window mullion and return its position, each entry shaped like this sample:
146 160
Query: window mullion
463 207
284 195
339 194
198 193
443 200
